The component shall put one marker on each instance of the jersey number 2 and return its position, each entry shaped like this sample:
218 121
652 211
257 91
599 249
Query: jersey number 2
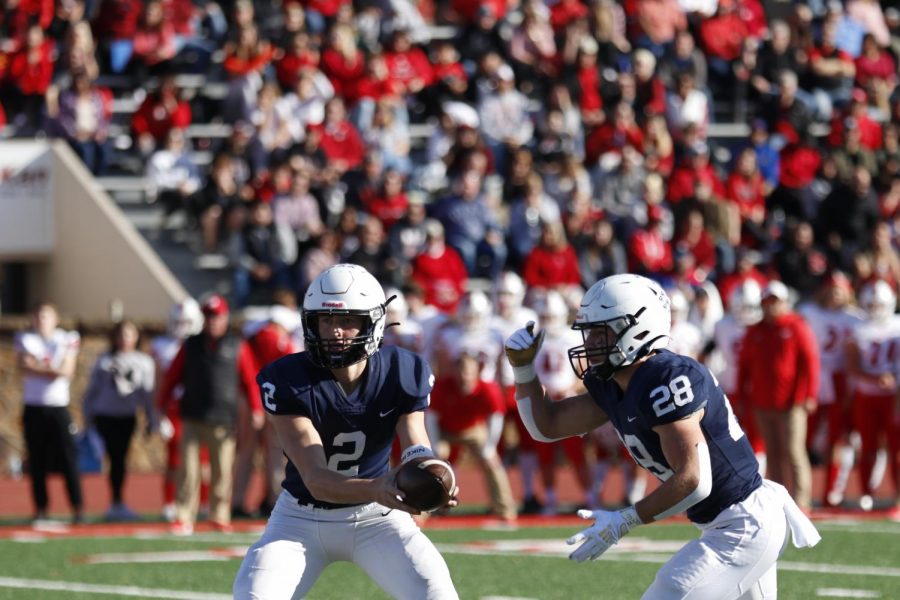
356 441
677 393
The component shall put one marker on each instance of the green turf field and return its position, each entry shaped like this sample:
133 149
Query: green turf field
854 560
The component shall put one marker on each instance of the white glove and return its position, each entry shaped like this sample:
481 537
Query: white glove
609 527
166 429
521 350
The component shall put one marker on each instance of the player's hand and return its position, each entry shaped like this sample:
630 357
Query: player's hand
609 527
523 345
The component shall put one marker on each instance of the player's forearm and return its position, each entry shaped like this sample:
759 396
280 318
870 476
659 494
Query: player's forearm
535 409
685 488
327 486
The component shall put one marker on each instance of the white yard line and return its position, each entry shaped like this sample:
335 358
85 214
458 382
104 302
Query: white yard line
844 593
119 590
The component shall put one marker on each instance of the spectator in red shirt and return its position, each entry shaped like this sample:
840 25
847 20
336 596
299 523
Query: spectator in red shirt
154 42
337 138
407 65
21 15
587 82
620 131
722 36
659 20
468 411
832 69
160 112
244 63
745 188
778 372
115 26
649 252
857 116
552 263
298 56
692 237
320 13
30 73
343 62
694 169
439 270
389 203
876 70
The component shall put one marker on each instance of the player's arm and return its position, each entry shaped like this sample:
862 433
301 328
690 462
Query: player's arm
414 441
30 365
303 446
685 449
546 421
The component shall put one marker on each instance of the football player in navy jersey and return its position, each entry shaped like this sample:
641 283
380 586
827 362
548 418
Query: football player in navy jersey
675 421
336 409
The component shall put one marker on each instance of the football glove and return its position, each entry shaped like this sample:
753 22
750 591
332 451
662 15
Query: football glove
609 527
523 345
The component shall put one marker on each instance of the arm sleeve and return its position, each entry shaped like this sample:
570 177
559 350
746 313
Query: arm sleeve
171 379
247 368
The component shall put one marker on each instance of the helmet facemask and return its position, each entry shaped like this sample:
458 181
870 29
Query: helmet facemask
340 353
601 359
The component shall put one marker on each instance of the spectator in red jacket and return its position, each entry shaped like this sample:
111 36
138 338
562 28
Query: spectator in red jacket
300 55
621 130
694 169
778 371
552 263
468 411
337 138
160 112
407 65
649 252
722 36
244 63
439 270
694 239
154 41
856 117
343 62
114 26
745 189
21 15
30 73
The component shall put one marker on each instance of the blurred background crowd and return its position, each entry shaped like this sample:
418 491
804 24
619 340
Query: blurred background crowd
488 158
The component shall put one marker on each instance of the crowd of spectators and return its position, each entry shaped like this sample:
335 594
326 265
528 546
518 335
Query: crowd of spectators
542 112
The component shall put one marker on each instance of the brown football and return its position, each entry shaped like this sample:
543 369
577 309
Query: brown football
427 482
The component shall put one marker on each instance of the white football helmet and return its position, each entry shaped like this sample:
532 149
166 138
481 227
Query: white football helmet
344 289
637 312
474 311
185 319
553 312
679 305
878 300
745 302
509 292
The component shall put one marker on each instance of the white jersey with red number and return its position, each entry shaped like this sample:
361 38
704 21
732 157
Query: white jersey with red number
728 335
686 339
832 329
486 344
879 352
552 363
507 326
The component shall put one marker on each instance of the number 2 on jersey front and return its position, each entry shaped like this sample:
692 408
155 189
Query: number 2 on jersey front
356 440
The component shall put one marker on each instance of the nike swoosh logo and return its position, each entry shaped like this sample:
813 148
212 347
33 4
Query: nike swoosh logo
386 413
630 419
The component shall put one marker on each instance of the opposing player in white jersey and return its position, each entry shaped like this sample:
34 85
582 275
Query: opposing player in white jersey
185 319
552 366
401 330
721 356
873 361
472 332
675 421
686 337
509 314
832 319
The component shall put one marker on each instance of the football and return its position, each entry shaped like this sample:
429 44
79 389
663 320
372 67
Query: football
427 482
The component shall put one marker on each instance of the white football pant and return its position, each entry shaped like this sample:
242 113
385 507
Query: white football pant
300 541
735 555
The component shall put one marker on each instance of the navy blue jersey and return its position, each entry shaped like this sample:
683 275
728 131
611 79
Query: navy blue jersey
357 431
669 387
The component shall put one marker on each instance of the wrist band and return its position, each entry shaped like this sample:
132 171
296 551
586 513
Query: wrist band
415 451
524 374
